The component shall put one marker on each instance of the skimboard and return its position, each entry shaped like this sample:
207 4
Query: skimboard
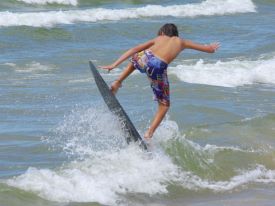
115 107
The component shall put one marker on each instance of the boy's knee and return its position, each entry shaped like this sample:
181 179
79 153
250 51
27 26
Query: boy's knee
164 106
167 105
164 103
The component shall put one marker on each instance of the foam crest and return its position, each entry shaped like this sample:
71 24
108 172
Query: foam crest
52 18
104 178
227 73
107 178
44 2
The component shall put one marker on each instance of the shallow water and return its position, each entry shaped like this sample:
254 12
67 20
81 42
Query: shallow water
59 144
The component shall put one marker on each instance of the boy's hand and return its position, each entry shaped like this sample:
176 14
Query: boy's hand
108 67
215 46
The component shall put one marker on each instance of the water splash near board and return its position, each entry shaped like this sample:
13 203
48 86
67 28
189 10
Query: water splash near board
115 107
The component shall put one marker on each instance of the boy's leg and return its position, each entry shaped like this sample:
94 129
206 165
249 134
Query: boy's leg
162 110
117 83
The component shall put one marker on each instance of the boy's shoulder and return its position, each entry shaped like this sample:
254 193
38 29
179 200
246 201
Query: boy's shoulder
186 43
165 38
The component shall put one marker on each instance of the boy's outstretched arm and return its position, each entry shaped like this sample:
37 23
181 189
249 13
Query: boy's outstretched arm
129 53
210 48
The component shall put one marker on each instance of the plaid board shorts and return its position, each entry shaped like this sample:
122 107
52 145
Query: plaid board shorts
156 70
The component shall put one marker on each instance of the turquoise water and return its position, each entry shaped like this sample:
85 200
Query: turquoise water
59 144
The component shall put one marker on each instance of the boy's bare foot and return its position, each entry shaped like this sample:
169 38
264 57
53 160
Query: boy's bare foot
148 135
115 86
148 140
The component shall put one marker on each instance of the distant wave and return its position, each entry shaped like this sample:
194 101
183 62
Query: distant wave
43 2
227 73
33 67
52 18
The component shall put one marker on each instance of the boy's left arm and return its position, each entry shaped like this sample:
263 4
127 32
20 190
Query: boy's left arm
210 48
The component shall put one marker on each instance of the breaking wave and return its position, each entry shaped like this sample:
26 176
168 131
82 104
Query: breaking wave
231 73
107 173
52 18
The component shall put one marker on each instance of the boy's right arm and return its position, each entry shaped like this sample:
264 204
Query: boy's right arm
210 48
129 53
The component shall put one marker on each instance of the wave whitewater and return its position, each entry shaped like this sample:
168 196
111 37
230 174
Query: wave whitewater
44 2
52 18
231 73
107 176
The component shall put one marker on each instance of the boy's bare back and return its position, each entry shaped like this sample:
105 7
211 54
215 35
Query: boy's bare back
167 48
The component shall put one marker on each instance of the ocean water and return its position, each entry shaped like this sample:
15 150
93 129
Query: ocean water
59 144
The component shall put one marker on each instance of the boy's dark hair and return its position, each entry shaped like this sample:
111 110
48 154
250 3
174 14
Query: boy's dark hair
169 30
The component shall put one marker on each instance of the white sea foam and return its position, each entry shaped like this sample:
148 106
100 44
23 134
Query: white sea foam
104 173
43 2
51 18
230 73
105 176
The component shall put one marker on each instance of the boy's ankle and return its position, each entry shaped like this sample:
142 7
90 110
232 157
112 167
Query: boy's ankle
119 81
